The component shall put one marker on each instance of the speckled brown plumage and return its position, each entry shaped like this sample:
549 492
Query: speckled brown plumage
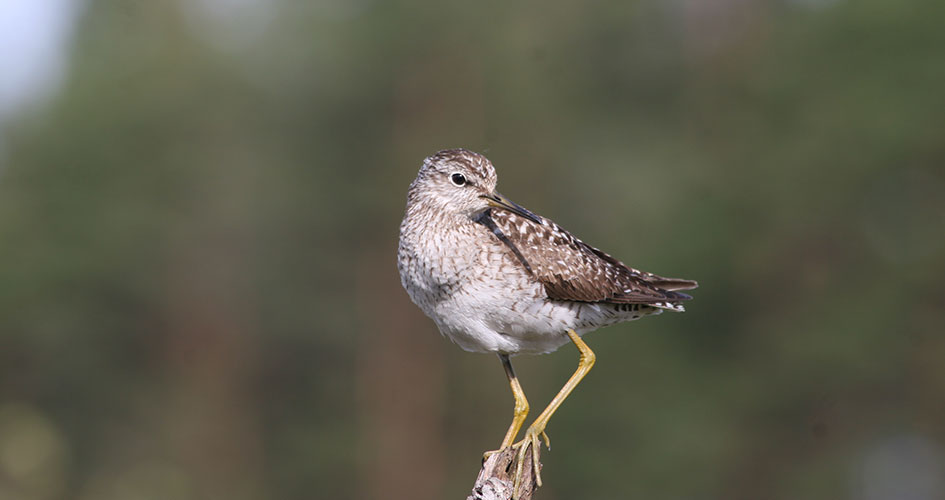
570 269
495 277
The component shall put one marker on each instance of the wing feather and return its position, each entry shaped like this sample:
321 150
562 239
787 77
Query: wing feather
570 269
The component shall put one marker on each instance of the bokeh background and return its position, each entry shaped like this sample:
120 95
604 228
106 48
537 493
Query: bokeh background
199 208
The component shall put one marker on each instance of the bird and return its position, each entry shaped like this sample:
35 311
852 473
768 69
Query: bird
498 278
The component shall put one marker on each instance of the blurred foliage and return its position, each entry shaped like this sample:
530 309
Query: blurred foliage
198 296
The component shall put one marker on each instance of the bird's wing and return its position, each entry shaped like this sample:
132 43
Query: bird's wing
569 269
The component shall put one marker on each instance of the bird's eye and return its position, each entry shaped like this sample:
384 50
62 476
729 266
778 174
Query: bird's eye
458 179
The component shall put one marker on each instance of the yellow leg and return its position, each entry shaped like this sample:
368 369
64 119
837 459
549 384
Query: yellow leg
536 431
521 405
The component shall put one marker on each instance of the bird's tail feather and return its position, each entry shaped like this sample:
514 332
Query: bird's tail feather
673 284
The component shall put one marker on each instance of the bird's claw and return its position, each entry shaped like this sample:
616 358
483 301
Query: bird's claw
487 454
532 440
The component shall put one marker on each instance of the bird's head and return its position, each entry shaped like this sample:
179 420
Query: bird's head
461 182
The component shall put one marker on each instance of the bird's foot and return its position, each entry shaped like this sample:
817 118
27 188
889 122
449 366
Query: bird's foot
531 441
487 454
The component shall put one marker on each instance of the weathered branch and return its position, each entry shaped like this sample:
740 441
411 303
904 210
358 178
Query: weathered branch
498 473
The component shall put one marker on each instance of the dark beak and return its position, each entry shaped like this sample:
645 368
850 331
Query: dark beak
498 201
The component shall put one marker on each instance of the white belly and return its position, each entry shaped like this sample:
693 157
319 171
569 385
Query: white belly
485 301
518 320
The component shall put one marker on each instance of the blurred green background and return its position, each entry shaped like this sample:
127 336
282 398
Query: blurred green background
198 227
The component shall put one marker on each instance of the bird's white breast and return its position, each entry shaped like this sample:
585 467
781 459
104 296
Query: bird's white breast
480 296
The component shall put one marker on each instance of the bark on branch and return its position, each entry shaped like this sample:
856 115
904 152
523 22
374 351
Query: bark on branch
498 473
